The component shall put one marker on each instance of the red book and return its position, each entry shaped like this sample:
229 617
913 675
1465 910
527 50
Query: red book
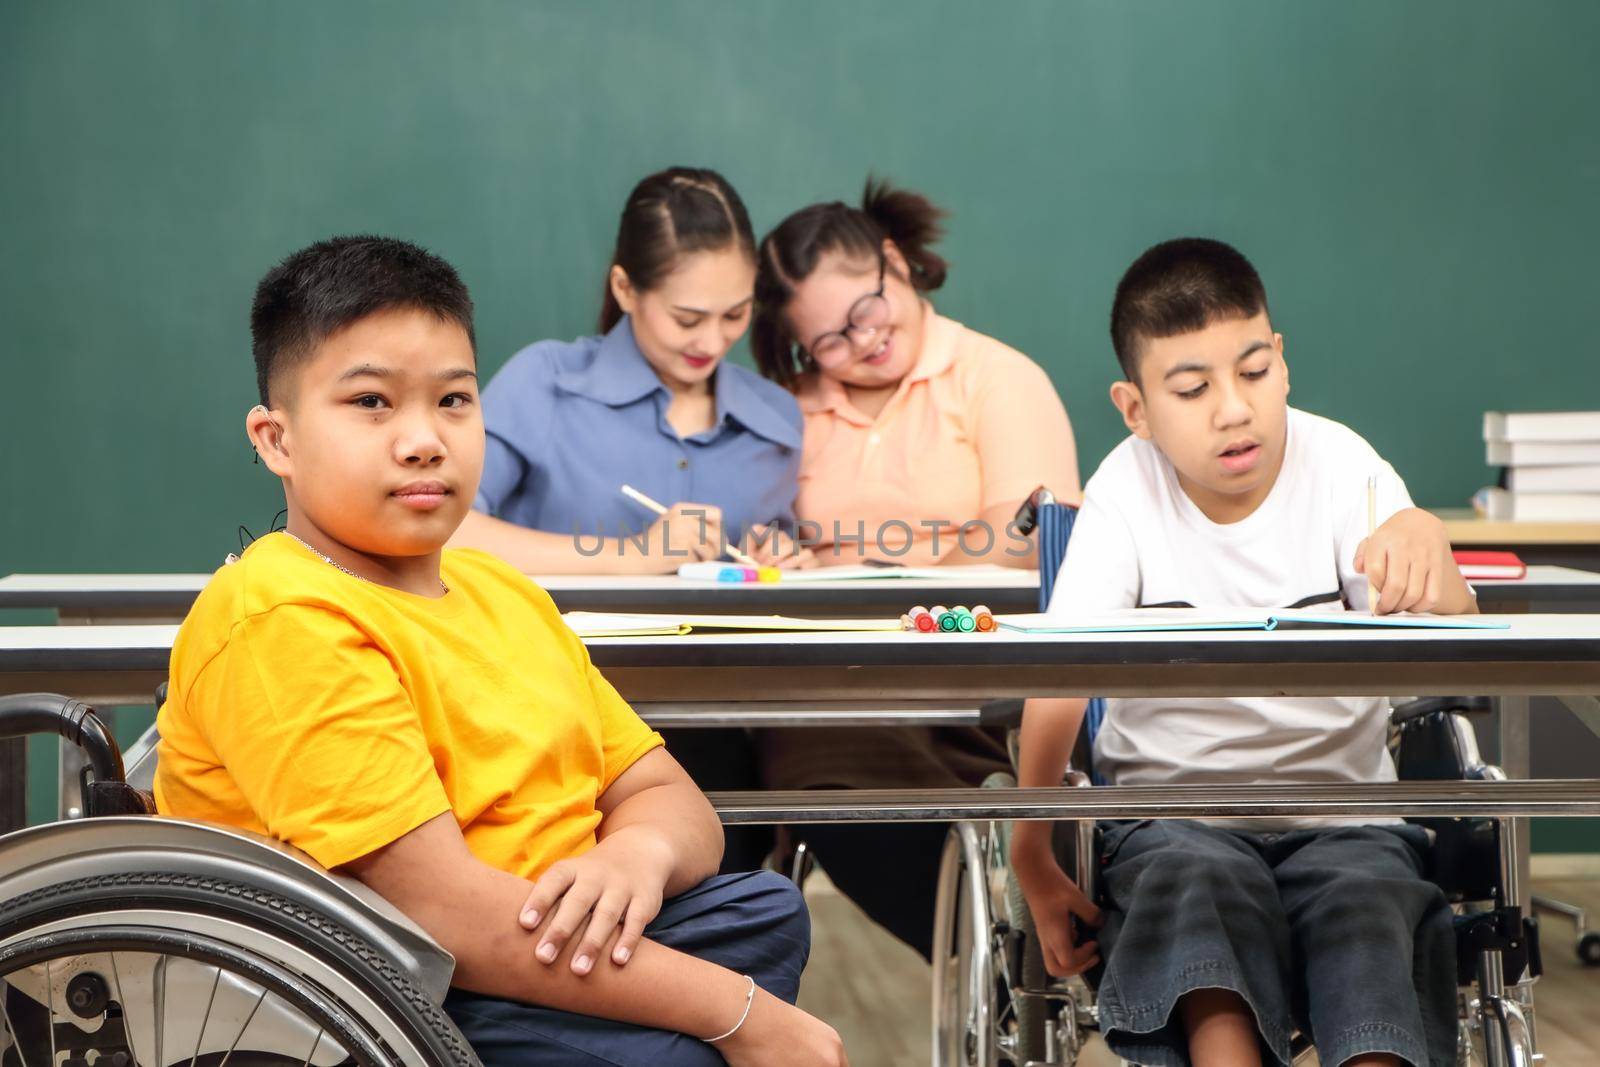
1490 565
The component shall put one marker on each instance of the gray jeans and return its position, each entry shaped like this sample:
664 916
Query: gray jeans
1333 931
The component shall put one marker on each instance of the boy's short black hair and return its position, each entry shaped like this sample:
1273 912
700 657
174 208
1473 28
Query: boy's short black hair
325 287
1181 286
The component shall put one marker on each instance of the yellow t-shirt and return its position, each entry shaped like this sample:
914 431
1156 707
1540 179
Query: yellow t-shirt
338 715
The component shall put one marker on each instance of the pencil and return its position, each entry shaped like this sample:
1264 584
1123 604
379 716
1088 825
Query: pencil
661 509
639 498
1372 528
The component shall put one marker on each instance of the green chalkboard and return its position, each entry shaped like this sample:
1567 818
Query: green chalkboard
1416 181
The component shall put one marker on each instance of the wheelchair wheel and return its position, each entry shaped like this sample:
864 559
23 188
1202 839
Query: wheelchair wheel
979 958
1496 1034
964 1000
157 969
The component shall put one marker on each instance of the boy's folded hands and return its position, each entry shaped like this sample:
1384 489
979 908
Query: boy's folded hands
1054 900
621 880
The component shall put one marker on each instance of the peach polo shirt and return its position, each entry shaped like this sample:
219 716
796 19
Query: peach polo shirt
973 425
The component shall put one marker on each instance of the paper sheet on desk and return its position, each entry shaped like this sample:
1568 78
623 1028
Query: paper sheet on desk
1177 620
605 624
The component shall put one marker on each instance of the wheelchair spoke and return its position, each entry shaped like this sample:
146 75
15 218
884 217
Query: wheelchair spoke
240 1035
116 982
158 1007
205 1020
50 1008
307 1061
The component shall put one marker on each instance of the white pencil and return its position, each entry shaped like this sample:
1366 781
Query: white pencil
639 498
1372 528
661 509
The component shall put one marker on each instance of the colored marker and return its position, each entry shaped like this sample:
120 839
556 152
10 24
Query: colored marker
984 619
965 623
950 621
919 619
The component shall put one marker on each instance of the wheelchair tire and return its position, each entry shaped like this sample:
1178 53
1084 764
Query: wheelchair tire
388 1015
1031 1014
1589 950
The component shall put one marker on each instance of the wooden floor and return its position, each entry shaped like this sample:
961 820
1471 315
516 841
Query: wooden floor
874 989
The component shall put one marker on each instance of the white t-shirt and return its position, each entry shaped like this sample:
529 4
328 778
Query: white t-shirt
1139 541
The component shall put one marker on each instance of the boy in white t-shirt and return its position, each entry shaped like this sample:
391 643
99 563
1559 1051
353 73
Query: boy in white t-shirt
1221 938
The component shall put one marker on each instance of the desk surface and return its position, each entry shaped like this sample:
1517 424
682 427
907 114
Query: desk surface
157 597
1538 654
1465 529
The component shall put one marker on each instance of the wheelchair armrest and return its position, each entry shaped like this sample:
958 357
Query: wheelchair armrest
1413 709
1437 743
1006 713
1439 746
56 853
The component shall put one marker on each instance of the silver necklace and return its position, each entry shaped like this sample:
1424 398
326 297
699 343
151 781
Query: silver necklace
330 561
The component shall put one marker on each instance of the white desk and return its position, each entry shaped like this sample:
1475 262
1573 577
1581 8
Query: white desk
152 598
740 675
1537 655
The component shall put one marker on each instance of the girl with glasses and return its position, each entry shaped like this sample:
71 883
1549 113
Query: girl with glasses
922 438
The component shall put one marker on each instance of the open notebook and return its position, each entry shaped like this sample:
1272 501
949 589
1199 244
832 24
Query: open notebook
1164 620
605 624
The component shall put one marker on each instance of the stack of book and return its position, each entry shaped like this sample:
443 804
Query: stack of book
1552 466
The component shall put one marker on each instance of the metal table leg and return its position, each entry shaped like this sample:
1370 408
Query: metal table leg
1513 715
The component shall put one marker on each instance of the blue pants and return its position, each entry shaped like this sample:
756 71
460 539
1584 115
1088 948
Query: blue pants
754 923
1334 931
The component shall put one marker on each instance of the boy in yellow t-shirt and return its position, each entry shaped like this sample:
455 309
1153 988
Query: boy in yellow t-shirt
425 721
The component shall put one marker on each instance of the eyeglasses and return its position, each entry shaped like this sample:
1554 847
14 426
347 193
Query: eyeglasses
867 316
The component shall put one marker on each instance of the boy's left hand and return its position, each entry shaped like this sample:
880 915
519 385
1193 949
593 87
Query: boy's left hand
1408 563
621 879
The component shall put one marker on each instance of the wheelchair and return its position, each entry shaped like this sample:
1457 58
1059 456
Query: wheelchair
994 1004
128 940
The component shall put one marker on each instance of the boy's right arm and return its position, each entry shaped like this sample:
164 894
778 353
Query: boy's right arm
1049 730
471 909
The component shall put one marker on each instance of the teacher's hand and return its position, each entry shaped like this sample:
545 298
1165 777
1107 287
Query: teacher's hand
686 532
770 546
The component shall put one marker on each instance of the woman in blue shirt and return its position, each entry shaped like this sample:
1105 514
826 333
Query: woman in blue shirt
649 403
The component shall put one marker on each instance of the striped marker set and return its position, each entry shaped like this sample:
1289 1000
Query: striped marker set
942 620
728 572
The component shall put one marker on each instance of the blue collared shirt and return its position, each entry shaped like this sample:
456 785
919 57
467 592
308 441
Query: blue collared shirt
570 422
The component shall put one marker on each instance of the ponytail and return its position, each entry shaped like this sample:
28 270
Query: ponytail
914 224
791 252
